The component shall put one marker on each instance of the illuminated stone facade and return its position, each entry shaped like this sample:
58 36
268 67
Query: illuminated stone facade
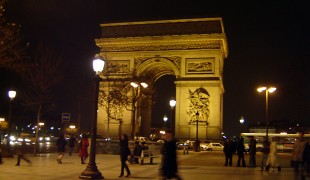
193 50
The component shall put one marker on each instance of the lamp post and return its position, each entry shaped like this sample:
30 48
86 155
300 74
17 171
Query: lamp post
267 90
197 141
241 120
12 95
72 129
135 97
91 171
165 118
39 124
172 104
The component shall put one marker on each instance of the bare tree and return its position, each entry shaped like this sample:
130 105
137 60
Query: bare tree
12 51
114 99
41 75
119 95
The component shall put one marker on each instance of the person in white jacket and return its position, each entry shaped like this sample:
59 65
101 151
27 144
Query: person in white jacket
272 160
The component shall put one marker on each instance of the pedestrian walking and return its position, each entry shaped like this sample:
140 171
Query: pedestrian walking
71 144
20 150
265 153
83 153
252 151
240 152
228 150
124 153
61 147
272 160
298 154
169 166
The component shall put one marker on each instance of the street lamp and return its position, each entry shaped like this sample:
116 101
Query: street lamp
136 95
91 171
165 118
172 104
241 120
12 95
197 141
267 90
72 129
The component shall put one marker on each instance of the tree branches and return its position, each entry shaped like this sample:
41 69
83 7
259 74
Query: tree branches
12 52
41 74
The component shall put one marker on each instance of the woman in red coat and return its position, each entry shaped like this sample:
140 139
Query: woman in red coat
83 148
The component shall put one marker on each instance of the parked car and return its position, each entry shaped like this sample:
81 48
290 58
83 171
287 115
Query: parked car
215 147
141 139
181 145
203 145
160 141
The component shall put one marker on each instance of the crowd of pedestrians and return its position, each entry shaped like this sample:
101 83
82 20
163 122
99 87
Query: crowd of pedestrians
269 159
169 168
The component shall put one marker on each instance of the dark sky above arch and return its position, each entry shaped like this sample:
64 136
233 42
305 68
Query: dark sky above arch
268 44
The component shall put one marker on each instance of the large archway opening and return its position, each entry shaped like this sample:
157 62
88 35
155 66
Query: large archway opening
164 90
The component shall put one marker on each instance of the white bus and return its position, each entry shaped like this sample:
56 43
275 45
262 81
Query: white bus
285 142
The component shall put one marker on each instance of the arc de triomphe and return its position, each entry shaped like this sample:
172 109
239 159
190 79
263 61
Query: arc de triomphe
192 50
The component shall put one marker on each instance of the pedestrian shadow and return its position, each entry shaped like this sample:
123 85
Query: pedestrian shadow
187 168
141 177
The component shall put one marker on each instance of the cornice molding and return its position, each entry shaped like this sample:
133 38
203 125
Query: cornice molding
158 46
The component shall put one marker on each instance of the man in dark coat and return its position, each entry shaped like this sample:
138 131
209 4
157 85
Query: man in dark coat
229 150
252 151
169 157
240 152
124 153
61 146
137 151
20 153
265 153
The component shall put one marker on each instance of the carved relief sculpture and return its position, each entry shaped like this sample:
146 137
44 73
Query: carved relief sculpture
199 102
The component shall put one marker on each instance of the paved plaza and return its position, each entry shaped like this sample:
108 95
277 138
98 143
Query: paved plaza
191 167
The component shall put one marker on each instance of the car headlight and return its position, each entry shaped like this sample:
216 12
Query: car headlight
12 138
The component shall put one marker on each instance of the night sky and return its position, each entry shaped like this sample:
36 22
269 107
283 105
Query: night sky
268 44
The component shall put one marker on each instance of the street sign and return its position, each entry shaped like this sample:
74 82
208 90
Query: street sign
65 117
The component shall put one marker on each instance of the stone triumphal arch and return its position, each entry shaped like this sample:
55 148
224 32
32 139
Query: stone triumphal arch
192 50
